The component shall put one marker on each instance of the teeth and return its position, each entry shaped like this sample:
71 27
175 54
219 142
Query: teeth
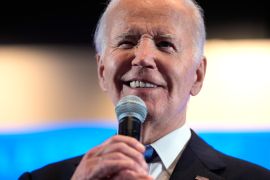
137 83
140 84
132 84
150 85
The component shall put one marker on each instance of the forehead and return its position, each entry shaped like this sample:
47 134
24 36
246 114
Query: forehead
154 6
164 16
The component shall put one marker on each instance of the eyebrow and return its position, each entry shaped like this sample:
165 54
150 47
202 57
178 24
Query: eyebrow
166 36
136 36
127 36
135 32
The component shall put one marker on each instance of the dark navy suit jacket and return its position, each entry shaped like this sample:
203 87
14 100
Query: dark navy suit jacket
198 160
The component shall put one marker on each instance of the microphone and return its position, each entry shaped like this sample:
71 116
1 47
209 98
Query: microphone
131 112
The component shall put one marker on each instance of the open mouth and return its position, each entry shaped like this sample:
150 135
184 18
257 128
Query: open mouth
140 84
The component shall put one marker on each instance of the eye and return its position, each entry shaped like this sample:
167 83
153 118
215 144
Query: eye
166 46
126 44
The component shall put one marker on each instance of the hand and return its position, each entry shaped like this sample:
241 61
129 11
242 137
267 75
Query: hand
129 175
120 157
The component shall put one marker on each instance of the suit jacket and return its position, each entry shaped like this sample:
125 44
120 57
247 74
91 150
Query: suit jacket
198 161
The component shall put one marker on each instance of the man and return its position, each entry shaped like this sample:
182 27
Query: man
152 49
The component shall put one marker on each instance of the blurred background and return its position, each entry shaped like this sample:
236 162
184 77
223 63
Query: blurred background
52 108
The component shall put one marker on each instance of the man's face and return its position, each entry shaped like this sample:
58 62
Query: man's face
149 54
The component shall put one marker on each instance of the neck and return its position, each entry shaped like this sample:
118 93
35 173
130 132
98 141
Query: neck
156 129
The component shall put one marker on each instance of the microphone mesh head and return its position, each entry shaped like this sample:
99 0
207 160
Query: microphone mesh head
131 106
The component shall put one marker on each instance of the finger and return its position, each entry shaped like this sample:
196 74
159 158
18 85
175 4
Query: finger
118 144
98 168
117 156
130 141
127 151
131 175
94 152
107 165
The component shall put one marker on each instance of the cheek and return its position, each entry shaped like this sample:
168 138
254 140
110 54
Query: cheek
110 77
110 67
182 76
119 62
115 66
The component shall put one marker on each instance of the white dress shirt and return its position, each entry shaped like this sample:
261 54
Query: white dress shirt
169 149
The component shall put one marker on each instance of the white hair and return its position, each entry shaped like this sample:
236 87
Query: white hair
199 34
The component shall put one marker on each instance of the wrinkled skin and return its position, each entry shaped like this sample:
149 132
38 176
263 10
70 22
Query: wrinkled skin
147 41
117 158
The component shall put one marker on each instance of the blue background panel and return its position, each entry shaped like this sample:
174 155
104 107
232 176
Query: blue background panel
20 152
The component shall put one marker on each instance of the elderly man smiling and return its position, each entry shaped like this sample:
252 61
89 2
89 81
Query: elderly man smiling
152 49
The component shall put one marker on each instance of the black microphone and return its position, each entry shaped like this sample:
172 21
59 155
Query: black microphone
131 112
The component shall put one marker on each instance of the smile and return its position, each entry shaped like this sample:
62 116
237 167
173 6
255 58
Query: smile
141 84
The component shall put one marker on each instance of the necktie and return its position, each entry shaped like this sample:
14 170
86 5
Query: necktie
150 154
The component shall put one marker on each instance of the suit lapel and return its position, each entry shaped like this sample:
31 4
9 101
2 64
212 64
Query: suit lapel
70 167
198 160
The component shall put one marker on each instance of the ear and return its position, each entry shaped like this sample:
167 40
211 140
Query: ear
199 77
100 70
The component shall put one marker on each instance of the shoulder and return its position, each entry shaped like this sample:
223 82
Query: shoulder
59 170
240 169
225 165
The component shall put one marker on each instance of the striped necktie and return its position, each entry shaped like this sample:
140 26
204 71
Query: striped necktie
150 154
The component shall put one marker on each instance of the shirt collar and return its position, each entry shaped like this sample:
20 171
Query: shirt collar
169 146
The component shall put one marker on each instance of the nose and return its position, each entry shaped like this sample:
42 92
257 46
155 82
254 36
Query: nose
145 54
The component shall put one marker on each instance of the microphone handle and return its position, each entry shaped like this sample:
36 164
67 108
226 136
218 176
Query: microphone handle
130 126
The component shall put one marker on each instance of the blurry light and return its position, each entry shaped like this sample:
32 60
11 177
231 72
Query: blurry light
235 94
